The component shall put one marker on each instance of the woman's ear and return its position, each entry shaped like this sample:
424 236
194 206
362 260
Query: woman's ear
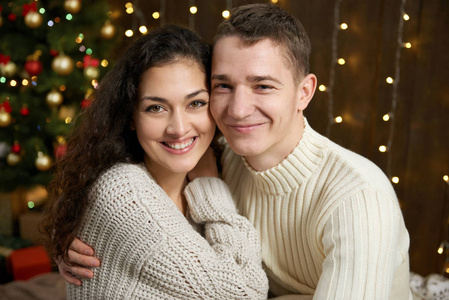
306 90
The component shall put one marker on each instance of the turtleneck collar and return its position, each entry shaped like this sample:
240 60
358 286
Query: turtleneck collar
296 168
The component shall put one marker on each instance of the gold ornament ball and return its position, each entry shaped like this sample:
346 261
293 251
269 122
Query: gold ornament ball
43 162
12 159
62 64
54 99
91 73
72 6
9 70
107 31
5 118
33 19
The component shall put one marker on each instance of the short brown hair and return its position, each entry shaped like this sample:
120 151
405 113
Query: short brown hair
255 22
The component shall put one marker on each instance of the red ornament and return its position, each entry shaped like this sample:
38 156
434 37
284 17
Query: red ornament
60 151
4 59
33 67
6 106
12 17
16 148
26 8
54 53
24 111
89 61
85 103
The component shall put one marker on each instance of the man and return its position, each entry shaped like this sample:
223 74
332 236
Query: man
329 220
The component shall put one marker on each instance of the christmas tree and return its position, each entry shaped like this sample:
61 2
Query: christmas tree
52 55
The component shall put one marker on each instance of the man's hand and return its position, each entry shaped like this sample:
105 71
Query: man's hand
80 257
206 167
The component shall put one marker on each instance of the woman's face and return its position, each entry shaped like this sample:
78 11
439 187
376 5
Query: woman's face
172 119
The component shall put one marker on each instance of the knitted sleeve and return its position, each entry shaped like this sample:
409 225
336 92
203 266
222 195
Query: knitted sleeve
231 236
363 249
148 250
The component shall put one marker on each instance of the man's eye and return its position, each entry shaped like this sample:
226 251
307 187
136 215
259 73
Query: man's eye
264 87
197 104
154 108
221 86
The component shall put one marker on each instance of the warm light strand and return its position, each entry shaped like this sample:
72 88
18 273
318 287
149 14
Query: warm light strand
193 10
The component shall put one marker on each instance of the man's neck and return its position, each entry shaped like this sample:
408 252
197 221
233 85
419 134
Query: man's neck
276 155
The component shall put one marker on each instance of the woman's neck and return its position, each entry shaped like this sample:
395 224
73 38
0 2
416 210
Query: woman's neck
173 184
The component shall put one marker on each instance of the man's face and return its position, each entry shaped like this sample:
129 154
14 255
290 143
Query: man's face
255 100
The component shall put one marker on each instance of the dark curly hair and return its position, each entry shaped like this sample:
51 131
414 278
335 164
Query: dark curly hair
103 137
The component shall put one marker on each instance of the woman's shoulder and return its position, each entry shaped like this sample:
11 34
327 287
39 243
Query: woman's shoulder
123 177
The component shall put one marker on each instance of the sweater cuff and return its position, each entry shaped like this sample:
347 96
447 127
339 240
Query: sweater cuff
209 200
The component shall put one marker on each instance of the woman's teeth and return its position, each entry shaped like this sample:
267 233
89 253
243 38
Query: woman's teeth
180 146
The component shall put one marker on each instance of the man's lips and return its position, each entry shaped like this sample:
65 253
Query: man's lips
245 128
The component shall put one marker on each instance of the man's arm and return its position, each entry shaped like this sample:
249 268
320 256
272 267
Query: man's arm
361 244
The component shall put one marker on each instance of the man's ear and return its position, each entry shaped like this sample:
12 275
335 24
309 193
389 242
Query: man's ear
306 90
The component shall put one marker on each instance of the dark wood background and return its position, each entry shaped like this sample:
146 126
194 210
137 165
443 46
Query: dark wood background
420 147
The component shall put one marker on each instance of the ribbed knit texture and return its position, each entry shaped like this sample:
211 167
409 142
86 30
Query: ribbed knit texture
329 222
148 249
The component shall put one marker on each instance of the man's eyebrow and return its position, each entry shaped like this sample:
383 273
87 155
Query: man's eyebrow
256 78
221 77
194 94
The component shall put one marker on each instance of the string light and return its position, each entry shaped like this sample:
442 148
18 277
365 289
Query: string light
344 26
341 61
395 179
129 33
13 83
104 63
322 88
68 17
338 119
193 10
226 14
389 80
274 1
406 17
143 29
383 148
25 82
446 178
386 117
30 204
156 15
334 59
408 45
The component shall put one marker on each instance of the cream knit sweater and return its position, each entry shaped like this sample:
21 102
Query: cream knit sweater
148 249
329 221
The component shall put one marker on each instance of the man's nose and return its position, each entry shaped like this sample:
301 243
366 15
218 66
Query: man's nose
241 104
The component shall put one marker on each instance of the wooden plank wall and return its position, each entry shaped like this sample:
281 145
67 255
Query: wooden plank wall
420 147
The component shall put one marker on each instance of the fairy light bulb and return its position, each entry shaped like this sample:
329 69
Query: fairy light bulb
322 88
341 61
129 10
13 83
395 179
382 148
338 119
386 117
129 33
143 29
226 14
274 1
406 17
344 26
440 249
389 80
156 15
193 10
408 45
446 178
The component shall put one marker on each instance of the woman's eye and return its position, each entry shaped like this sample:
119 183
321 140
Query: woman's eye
197 104
154 108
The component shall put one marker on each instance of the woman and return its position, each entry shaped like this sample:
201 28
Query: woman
128 187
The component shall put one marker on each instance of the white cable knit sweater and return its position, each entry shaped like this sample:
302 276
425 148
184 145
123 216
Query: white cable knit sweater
329 221
148 249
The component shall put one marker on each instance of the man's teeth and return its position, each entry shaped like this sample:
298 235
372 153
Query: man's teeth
179 146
